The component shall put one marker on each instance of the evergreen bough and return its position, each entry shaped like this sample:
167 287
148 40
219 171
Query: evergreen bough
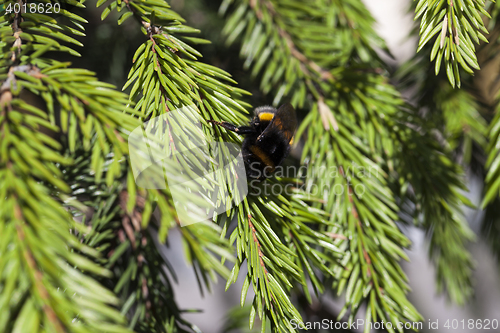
79 246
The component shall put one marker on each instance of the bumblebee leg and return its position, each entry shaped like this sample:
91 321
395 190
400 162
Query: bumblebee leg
224 124
234 128
245 130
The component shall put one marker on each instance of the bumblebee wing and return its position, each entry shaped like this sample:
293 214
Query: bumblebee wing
284 121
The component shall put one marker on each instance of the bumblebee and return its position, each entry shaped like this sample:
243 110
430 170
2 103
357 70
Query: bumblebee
267 139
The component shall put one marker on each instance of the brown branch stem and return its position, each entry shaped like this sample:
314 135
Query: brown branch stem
304 61
37 274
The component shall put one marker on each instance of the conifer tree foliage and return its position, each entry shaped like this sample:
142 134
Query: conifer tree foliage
467 118
79 245
459 26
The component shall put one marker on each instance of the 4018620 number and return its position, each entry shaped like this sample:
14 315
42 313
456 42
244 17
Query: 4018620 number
33 8
472 324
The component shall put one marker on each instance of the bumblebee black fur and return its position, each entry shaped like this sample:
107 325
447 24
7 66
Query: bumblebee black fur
267 139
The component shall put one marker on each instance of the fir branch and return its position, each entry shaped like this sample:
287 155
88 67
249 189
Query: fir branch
456 114
41 97
435 191
118 227
382 283
280 251
458 23
449 131
487 92
492 105
305 63
36 254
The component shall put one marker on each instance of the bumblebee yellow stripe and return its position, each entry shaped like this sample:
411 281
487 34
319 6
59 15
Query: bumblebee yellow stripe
263 157
266 116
